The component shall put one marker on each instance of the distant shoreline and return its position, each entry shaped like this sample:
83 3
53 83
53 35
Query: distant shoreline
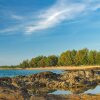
57 68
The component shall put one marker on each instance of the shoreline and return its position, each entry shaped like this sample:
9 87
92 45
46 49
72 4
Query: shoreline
57 68
46 85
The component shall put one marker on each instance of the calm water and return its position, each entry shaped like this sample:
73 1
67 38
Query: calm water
58 92
12 73
94 91
90 91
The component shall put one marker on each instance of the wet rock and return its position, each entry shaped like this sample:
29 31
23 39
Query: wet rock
46 82
6 79
66 97
8 94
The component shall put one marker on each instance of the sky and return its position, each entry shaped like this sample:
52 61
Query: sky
29 28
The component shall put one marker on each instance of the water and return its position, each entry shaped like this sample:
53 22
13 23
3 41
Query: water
94 91
12 73
58 92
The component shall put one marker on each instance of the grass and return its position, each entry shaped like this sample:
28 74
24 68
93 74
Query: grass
56 68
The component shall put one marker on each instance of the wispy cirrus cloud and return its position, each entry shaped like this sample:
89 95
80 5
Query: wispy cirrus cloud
16 17
62 10
59 12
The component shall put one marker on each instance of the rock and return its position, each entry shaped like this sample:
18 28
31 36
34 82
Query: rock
6 79
46 82
66 97
8 94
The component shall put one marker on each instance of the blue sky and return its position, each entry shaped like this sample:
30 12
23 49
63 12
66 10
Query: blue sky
29 28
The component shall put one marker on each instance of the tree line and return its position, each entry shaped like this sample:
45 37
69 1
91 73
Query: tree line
67 58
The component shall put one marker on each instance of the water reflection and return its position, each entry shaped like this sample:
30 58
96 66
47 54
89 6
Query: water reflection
58 92
94 90
77 90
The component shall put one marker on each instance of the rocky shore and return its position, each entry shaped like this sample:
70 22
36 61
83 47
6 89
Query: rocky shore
38 86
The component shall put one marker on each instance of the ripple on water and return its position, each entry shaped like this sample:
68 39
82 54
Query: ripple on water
12 73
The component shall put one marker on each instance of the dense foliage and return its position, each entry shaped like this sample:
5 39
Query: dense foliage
68 58
40 61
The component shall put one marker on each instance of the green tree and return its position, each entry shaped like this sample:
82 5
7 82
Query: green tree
98 58
24 64
92 57
81 57
52 60
34 61
42 62
73 55
65 59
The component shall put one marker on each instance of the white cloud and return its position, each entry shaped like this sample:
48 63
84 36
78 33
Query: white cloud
17 17
62 10
8 30
56 14
11 29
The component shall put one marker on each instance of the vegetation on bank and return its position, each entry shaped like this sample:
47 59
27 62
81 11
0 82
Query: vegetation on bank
67 58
